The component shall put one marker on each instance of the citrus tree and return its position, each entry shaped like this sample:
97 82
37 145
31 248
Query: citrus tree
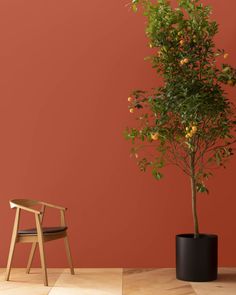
188 121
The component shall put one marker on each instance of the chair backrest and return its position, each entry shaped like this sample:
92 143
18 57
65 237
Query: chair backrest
24 202
26 205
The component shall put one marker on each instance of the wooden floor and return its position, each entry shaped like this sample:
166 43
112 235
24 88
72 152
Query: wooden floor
114 282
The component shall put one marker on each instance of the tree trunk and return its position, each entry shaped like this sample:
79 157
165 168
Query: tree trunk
194 195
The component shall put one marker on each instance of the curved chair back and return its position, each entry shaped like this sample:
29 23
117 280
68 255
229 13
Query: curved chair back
25 204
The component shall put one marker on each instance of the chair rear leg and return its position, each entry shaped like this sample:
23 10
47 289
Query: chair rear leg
31 256
13 243
68 254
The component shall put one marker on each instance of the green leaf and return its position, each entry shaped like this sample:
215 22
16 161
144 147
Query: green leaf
134 8
218 158
157 175
201 188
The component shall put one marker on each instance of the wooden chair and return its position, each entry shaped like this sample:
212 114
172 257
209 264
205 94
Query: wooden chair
38 235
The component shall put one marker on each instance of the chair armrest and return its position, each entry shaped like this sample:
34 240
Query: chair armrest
53 206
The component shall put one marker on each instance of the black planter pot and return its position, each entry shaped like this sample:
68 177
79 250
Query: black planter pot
196 258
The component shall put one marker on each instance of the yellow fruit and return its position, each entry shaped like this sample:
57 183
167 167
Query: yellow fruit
150 45
194 129
154 136
191 134
230 82
130 99
131 111
181 42
186 60
187 128
136 156
226 55
179 33
187 135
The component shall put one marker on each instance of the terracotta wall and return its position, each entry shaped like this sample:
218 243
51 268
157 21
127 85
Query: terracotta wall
66 70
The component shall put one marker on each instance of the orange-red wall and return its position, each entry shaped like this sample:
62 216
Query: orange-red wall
66 70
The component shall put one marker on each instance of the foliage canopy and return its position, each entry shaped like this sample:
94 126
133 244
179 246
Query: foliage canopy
189 120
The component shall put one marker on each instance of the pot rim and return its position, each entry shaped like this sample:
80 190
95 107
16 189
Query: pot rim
201 236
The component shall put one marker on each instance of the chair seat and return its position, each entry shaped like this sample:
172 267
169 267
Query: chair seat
46 230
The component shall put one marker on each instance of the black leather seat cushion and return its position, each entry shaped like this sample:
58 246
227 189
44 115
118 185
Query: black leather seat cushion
46 230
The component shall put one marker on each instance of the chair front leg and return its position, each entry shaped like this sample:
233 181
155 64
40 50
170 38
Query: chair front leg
67 245
68 254
13 243
41 249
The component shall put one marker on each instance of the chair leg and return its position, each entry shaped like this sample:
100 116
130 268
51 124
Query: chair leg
41 250
68 254
31 257
13 243
43 264
10 256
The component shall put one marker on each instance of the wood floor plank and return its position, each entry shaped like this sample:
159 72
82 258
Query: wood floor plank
89 282
113 282
27 284
225 285
154 281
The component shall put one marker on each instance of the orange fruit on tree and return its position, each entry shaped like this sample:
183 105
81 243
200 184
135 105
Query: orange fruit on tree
131 110
194 129
186 60
154 136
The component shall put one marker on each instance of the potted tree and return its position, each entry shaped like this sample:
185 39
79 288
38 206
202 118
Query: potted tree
188 121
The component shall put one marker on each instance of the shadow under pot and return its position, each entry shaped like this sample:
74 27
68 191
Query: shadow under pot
196 258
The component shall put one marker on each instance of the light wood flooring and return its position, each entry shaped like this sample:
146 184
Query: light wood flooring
114 281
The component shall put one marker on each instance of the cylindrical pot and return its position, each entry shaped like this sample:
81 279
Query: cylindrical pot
196 258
